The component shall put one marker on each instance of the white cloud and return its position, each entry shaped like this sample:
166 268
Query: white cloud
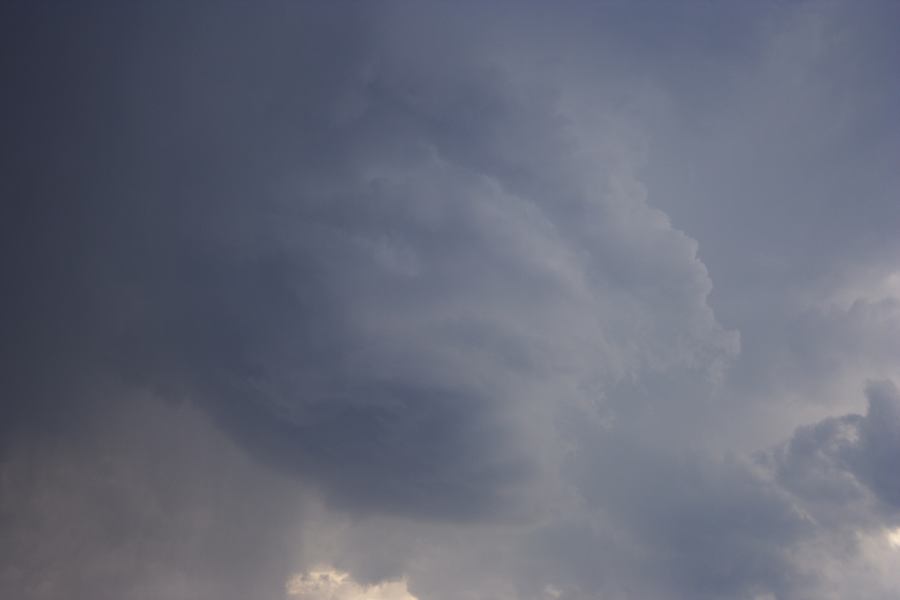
328 583
893 538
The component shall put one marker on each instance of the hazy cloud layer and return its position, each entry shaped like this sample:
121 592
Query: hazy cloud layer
457 301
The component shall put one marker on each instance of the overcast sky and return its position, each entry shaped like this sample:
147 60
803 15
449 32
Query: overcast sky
426 300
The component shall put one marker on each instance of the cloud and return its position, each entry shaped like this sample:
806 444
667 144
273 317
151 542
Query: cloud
150 501
389 289
405 288
837 462
325 583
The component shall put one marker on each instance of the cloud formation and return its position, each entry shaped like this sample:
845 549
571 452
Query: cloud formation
391 288
326 583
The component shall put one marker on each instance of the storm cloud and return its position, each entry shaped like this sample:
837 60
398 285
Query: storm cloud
502 301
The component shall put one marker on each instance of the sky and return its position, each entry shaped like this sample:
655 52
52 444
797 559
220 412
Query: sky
420 300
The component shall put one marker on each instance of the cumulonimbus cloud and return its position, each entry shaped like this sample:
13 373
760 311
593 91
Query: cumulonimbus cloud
385 288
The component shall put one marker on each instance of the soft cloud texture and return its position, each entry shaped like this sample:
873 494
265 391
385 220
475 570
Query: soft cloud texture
464 301
325 583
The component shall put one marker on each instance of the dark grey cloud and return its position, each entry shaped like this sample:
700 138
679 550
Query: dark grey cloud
795 247
838 462
346 287
387 287
149 502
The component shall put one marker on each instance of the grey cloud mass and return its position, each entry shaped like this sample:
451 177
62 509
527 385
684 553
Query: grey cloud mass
501 301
